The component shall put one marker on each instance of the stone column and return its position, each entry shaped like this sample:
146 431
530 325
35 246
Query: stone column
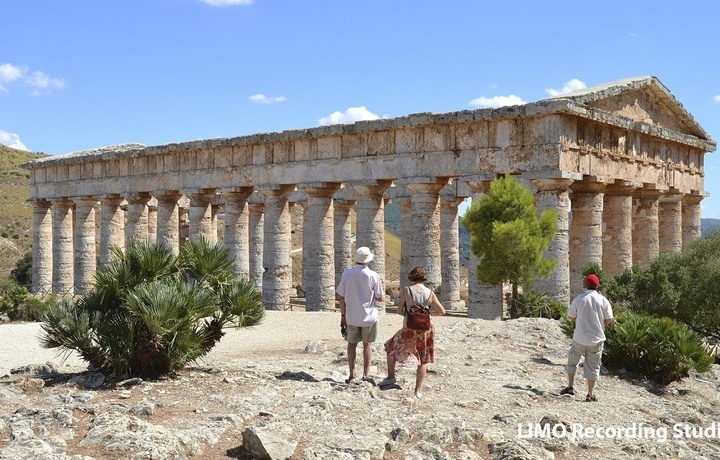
236 230
318 275
137 217
168 218
670 223
256 224
201 224
484 301
450 253
406 230
214 211
343 236
63 264
586 204
617 222
276 255
691 218
42 270
152 220
553 194
370 221
85 263
646 232
112 227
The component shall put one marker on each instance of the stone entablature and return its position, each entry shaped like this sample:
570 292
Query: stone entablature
630 138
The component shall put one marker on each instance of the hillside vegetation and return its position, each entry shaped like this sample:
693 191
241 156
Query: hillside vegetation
15 211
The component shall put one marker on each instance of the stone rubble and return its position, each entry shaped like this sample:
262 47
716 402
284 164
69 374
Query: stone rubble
492 384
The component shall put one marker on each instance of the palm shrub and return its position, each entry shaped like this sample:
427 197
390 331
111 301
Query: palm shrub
19 305
540 305
150 312
657 348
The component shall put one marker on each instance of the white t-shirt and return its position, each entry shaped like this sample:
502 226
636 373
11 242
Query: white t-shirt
590 310
361 288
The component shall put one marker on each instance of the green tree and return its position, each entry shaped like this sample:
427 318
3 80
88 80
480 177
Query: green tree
151 312
22 273
509 237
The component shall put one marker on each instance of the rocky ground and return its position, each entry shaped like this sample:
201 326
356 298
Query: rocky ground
278 389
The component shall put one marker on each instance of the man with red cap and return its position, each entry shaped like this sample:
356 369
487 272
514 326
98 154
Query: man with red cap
591 312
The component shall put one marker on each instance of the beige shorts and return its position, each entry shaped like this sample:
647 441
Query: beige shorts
593 359
366 334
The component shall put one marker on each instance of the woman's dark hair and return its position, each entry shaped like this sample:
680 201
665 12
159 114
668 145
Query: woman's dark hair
417 275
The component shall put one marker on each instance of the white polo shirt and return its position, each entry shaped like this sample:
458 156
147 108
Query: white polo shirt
361 288
590 310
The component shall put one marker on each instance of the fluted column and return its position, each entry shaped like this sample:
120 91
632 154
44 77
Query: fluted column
343 236
277 267
42 247
152 220
112 227
318 247
691 218
617 222
670 223
646 232
553 194
214 211
450 253
137 217
484 301
201 221
586 204
256 224
84 243
63 264
406 230
370 221
236 238
168 218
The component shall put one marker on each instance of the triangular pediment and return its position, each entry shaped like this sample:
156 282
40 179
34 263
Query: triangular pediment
643 99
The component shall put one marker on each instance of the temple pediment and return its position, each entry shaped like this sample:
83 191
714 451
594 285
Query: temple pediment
642 99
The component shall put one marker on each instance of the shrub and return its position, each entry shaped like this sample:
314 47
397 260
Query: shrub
22 273
540 305
151 312
19 305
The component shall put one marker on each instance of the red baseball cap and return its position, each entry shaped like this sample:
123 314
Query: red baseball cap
592 281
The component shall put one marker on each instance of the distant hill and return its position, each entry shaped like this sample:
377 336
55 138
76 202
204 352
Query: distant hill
15 211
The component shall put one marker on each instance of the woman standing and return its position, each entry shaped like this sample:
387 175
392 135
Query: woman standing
411 346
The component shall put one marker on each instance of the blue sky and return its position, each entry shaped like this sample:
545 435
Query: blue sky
80 74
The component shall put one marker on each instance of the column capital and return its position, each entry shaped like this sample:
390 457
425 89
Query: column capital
551 184
583 186
278 191
692 199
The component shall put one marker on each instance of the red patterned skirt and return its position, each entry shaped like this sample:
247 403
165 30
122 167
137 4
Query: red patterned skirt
409 346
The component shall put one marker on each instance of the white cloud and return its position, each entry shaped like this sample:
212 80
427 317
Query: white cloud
11 140
40 82
351 115
572 85
263 99
227 2
717 98
496 101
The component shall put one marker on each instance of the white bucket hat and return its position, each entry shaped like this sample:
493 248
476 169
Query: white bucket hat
363 255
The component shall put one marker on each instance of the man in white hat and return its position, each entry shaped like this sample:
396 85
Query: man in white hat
360 290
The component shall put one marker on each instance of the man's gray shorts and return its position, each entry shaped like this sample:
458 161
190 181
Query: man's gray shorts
593 359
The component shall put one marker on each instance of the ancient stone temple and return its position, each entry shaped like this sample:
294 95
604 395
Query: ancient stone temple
622 164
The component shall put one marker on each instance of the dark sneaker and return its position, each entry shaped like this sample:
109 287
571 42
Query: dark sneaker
568 391
590 398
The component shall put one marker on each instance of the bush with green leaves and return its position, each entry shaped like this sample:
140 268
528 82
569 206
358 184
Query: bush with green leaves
22 273
540 305
657 348
18 305
151 312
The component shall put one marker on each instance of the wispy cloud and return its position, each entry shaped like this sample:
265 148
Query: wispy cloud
496 101
570 86
227 2
11 140
263 99
717 98
351 115
39 82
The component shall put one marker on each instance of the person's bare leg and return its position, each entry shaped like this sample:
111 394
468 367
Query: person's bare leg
391 367
419 377
571 380
367 358
351 352
591 387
